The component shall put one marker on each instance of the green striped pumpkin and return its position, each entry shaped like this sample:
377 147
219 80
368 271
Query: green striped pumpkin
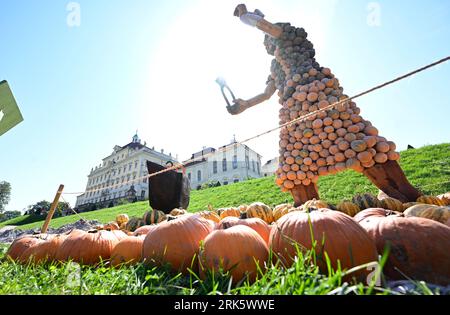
432 212
392 204
153 217
260 210
348 207
133 224
431 200
366 201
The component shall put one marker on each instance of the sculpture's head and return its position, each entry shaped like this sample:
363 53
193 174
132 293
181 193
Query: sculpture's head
240 9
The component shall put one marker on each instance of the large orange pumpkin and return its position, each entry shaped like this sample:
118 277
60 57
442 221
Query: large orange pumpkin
144 230
336 234
370 214
90 247
249 252
128 251
176 242
21 244
257 224
45 251
419 248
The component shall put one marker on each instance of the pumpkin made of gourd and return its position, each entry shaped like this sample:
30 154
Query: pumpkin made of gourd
392 204
22 243
230 212
210 215
431 200
43 252
281 210
348 207
128 251
335 233
432 212
248 255
418 247
176 212
89 247
260 210
257 224
366 201
176 242
122 218
153 217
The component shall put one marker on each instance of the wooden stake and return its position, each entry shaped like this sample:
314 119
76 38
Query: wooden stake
52 209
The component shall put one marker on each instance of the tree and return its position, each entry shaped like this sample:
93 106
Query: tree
8 215
5 193
43 207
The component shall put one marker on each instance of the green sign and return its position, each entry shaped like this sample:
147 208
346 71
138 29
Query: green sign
10 114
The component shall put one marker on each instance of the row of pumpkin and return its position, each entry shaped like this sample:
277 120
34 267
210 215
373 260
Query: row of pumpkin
430 207
419 246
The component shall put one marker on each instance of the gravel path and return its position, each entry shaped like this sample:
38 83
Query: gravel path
9 233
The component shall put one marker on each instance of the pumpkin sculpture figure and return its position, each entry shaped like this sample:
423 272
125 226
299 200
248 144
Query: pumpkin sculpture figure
331 141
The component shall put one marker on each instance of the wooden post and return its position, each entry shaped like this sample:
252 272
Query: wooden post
52 209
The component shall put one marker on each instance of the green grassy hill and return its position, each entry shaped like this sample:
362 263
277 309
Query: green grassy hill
427 168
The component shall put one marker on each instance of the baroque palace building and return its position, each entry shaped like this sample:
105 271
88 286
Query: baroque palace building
228 164
117 178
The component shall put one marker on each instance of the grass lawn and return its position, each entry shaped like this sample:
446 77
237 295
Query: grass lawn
427 168
301 278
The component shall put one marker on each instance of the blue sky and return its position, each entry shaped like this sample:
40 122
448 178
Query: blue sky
151 66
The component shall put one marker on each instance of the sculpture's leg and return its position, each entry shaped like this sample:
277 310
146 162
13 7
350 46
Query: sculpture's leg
302 193
389 177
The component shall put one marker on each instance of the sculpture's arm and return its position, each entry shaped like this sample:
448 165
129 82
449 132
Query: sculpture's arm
242 105
256 19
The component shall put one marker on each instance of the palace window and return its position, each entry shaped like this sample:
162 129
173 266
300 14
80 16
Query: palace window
199 175
215 167
253 165
236 180
247 162
189 176
224 165
235 162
